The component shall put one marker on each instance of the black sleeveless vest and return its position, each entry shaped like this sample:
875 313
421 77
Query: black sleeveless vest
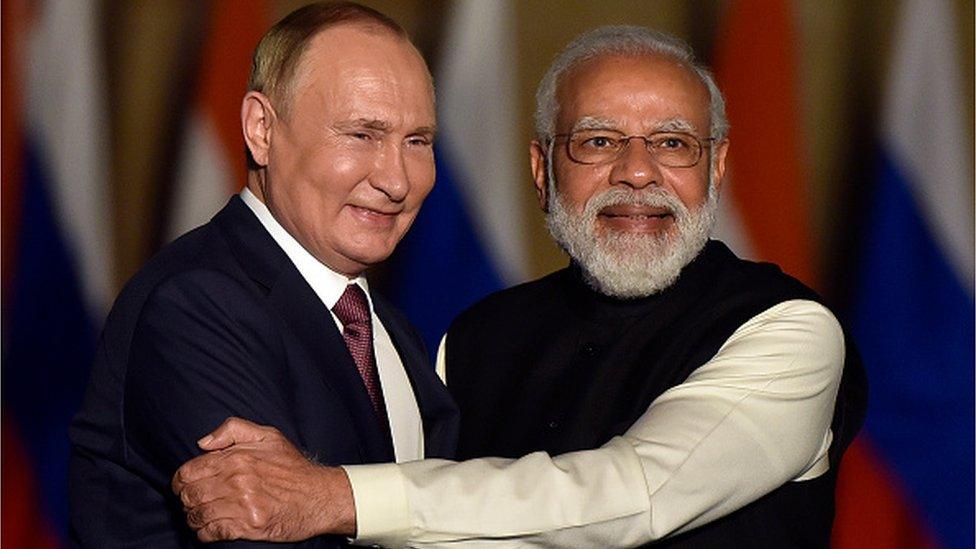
553 366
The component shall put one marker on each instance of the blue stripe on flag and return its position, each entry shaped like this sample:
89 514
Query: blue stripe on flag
913 322
441 267
51 344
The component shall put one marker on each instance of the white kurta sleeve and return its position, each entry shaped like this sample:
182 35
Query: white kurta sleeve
757 415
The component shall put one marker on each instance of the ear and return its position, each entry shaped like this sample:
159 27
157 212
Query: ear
720 150
257 120
538 159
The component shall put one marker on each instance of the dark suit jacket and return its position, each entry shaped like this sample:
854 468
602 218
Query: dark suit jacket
221 323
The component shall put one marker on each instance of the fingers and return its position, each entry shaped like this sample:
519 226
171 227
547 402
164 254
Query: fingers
234 514
235 430
204 491
227 473
235 518
215 511
198 468
221 529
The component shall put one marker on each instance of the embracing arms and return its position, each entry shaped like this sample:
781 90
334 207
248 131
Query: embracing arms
751 419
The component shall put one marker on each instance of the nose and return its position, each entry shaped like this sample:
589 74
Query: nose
390 176
636 167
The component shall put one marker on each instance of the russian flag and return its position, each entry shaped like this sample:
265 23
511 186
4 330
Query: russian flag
57 253
913 312
468 239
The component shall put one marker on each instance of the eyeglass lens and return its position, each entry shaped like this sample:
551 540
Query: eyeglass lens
673 149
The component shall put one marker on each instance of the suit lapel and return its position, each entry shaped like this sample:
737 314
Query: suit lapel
437 409
312 323
308 319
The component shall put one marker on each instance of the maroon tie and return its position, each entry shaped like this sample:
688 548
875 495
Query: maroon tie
352 310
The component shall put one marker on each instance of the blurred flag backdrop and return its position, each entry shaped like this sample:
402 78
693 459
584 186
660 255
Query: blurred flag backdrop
56 247
913 307
104 161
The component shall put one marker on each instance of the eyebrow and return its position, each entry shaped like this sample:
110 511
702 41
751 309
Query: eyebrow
675 125
594 123
425 130
598 123
380 126
365 124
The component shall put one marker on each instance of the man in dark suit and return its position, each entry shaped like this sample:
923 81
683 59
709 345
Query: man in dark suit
263 312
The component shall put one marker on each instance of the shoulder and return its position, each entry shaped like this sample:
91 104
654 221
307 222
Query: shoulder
220 245
198 249
200 289
198 316
795 321
723 291
736 276
193 280
793 340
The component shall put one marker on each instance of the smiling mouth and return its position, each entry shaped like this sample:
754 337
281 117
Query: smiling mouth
636 218
635 212
362 210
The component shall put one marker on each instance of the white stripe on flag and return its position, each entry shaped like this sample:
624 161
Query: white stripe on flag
923 126
204 178
66 118
729 227
477 108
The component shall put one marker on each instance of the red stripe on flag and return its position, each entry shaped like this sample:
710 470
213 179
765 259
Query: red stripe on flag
756 69
235 29
14 26
871 508
23 524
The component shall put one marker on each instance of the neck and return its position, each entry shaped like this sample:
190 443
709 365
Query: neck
256 183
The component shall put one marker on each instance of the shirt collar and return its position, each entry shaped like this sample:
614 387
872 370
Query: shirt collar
327 284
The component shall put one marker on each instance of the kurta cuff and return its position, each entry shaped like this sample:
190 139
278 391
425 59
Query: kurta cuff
382 510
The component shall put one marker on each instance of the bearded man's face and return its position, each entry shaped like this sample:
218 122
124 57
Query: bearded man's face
633 220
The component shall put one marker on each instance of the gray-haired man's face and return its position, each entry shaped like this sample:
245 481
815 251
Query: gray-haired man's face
632 223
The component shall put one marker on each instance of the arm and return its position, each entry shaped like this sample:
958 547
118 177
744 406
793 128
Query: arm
202 350
763 403
754 417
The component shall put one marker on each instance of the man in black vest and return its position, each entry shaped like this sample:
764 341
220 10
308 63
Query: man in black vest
685 394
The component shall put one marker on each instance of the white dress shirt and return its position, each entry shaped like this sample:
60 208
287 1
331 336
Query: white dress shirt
401 405
755 416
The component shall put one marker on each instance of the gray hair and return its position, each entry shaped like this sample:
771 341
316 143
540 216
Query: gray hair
626 40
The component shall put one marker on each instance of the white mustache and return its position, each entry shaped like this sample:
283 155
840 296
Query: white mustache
653 197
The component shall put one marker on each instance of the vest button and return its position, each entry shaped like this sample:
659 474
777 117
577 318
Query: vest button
553 424
589 350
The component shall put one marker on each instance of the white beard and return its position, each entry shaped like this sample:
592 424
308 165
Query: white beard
630 265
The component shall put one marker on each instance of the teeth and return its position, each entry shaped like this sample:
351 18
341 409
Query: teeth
641 216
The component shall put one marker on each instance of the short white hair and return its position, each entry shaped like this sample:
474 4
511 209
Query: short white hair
628 40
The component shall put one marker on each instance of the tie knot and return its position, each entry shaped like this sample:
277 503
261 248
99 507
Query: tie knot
352 308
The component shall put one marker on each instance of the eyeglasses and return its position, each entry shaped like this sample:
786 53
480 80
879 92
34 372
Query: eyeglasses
671 149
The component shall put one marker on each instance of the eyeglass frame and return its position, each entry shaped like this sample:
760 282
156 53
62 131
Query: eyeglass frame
702 142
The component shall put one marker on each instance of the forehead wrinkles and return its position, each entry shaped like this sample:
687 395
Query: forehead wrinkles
335 48
648 78
359 81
